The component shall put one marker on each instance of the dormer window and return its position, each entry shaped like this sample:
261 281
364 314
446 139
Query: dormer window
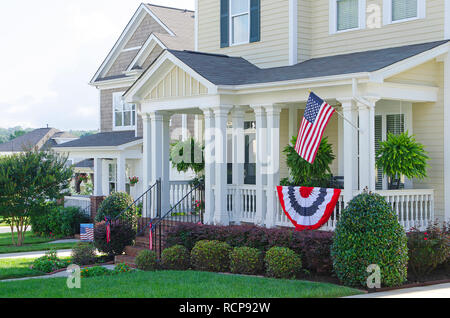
124 113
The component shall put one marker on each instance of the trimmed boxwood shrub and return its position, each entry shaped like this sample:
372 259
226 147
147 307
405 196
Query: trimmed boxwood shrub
176 258
146 260
313 247
368 232
122 235
84 254
115 204
246 260
282 262
211 256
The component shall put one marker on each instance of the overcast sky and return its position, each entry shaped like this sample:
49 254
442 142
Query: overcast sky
50 49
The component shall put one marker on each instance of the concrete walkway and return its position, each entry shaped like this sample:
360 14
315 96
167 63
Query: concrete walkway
434 291
60 253
60 274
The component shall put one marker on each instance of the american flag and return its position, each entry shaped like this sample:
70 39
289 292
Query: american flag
87 232
315 120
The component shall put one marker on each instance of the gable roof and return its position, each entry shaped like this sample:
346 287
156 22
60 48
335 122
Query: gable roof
178 23
39 139
106 139
226 70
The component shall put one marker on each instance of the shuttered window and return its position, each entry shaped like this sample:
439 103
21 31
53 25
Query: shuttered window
347 14
404 9
240 22
394 124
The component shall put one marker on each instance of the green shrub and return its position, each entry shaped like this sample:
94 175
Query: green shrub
282 262
115 204
49 263
175 258
84 254
146 260
211 256
246 260
95 271
57 221
368 233
122 235
427 250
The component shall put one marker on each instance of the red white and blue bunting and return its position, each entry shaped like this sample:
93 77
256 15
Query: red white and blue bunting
308 208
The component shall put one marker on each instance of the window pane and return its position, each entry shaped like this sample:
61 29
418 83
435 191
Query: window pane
404 9
127 118
240 29
395 124
133 117
117 102
118 122
347 14
239 6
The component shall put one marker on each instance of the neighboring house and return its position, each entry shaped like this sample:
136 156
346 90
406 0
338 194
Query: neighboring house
384 63
38 139
115 154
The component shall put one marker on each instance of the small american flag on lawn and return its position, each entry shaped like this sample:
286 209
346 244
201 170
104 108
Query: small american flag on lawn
87 232
315 120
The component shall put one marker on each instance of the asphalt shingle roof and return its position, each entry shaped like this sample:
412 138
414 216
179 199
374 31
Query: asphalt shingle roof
226 70
107 139
36 138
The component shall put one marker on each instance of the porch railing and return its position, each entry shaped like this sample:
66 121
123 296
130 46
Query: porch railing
414 208
81 202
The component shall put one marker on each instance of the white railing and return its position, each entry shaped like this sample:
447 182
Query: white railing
82 202
415 208
178 190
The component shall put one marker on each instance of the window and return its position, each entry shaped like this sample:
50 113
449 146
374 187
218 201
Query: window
124 113
347 15
112 177
403 10
239 21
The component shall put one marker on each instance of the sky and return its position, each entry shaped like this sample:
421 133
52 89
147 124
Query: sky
50 50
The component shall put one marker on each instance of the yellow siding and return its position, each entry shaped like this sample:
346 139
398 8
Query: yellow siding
417 31
271 51
304 30
428 127
284 141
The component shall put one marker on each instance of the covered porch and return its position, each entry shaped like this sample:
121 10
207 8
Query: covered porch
246 127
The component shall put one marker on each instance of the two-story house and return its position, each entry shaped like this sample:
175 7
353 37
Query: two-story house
115 154
385 64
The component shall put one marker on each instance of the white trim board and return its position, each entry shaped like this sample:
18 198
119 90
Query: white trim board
447 19
293 32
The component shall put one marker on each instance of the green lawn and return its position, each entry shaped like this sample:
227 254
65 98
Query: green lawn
17 268
172 284
32 243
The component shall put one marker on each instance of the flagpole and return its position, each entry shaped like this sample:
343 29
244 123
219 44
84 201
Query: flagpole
344 118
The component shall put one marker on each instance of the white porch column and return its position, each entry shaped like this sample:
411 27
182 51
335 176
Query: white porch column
447 136
350 148
98 180
238 146
198 128
156 152
367 145
209 166
273 167
165 162
261 142
293 122
340 155
146 160
221 117
121 173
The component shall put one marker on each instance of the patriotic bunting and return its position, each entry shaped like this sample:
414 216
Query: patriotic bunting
308 208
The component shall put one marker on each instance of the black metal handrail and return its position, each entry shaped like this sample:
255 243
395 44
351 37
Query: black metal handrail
154 224
135 202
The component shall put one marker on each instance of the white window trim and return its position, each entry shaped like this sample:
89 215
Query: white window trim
333 17
387 12
231 24
122 128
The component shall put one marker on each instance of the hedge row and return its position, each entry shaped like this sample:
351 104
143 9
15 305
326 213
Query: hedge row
313 247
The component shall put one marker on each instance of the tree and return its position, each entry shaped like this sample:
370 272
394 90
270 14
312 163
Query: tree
303 173
27 180
187 154
401 155
16 134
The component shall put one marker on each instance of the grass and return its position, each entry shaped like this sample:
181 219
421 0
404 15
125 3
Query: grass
17 268
31 243
173 284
